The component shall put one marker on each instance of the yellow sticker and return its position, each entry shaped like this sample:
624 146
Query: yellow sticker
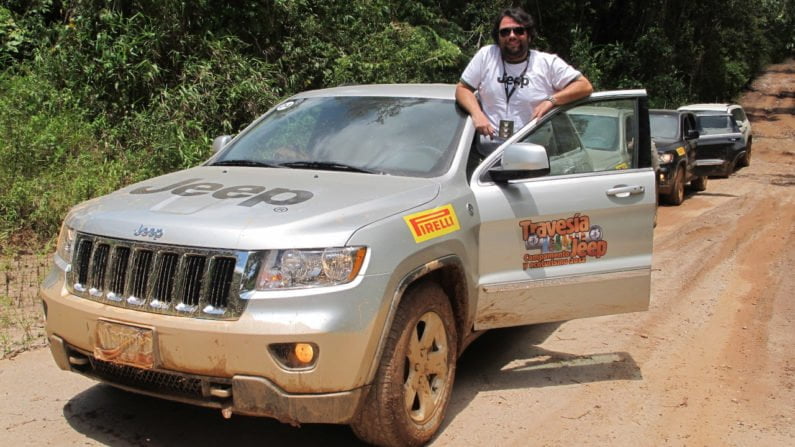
433 223
623 165
680 150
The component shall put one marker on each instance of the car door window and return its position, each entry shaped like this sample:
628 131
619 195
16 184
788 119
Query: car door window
563 145
690 124
738 115
601 137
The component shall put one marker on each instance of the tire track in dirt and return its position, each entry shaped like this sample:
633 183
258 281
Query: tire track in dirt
724 353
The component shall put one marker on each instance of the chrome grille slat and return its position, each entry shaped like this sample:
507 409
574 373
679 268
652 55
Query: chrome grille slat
84 248
222 270
141 269
98 269
118 270
158 278
163 288
192 280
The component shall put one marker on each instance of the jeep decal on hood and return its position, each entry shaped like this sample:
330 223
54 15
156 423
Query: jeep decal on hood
253 193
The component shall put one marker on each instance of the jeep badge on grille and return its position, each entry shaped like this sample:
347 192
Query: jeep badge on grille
154 233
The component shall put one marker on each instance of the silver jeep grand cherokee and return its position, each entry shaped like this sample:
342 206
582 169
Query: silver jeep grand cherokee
331 262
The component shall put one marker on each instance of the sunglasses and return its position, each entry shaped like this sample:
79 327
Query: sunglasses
518 30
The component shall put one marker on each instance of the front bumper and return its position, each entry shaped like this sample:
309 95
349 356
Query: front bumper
247 395
229 363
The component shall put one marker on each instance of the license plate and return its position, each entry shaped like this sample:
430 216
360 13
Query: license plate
123 344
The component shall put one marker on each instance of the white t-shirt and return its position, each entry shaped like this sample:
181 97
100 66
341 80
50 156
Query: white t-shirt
545 74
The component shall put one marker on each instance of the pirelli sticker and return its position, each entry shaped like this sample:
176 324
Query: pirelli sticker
430 224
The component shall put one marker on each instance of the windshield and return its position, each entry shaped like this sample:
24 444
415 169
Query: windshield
715 124
664 126
596 131
397 136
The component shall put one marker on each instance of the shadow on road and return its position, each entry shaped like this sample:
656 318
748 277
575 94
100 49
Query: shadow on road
506 359
114 417
499 360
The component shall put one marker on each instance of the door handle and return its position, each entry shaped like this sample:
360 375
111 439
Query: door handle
625 190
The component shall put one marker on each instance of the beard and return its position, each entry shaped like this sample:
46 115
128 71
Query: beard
514 52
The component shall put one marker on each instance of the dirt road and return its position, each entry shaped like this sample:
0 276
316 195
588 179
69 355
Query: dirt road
712 363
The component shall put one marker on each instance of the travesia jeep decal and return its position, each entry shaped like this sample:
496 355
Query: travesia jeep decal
561 241
253 193
432 223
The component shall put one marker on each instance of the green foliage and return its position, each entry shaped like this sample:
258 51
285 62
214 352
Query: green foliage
50 159
23 24
95 94
214 96
414 53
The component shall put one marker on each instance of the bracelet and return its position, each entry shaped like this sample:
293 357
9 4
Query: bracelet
551 99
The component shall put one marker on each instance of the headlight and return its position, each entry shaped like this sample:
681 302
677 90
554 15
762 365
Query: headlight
66 240
666 157
298 269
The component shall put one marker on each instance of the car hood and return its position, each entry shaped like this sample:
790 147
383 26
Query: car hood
246 208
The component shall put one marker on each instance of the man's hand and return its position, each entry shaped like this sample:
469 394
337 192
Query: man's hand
482 124
465 96
541 109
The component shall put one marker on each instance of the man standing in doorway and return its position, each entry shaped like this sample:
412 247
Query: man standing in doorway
515 84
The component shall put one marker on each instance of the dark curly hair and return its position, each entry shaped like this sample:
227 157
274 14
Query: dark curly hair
521 17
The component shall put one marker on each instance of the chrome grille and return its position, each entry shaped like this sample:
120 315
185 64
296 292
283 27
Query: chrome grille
174 280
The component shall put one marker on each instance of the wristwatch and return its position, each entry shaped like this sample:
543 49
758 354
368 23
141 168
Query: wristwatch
551 99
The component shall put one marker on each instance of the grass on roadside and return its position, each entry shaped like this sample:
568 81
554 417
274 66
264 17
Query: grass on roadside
21 314
21 327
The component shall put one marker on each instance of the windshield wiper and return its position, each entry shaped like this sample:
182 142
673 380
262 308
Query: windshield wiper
259 164
328 166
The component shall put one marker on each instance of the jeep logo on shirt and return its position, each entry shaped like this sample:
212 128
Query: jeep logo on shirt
254 194
521 81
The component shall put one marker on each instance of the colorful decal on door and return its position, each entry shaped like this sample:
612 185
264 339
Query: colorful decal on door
433 223
561 242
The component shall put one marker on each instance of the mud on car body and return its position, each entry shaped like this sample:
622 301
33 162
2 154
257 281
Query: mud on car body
331 262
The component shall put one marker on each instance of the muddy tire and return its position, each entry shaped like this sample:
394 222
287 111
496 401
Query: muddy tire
408 399
729 169
745 160
677 194
699 183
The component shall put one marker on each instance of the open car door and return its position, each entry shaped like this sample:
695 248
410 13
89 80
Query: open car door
576 241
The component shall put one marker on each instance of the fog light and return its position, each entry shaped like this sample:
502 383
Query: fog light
295 355
304 352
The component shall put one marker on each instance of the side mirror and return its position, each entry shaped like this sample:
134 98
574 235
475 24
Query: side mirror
519 161
692 134
220 142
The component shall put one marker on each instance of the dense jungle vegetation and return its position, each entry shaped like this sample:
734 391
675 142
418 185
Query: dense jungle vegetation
96 94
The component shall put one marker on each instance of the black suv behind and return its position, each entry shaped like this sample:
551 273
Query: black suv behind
675 134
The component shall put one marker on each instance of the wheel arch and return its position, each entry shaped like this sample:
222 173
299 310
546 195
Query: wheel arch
449 273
